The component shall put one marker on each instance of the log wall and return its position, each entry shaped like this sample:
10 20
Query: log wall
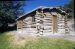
43 22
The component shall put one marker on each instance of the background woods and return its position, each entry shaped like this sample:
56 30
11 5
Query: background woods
70 8
9 10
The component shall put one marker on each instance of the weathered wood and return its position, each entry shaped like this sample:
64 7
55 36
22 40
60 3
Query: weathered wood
47 22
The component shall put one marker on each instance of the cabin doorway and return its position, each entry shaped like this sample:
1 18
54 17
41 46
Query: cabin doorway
54 23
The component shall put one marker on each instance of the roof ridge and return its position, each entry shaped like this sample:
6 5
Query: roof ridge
36 9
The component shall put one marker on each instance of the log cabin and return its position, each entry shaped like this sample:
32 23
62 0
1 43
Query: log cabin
42 20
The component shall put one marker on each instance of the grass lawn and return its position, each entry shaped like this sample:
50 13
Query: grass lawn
41 43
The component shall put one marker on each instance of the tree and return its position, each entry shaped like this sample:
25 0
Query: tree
9 10
70 8
70 5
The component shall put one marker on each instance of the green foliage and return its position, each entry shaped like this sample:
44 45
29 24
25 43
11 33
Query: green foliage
70 5
9 10
70 8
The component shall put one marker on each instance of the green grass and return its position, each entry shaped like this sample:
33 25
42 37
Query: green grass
4 41
41 43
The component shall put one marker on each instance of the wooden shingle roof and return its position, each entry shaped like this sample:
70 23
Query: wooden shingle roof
42 7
